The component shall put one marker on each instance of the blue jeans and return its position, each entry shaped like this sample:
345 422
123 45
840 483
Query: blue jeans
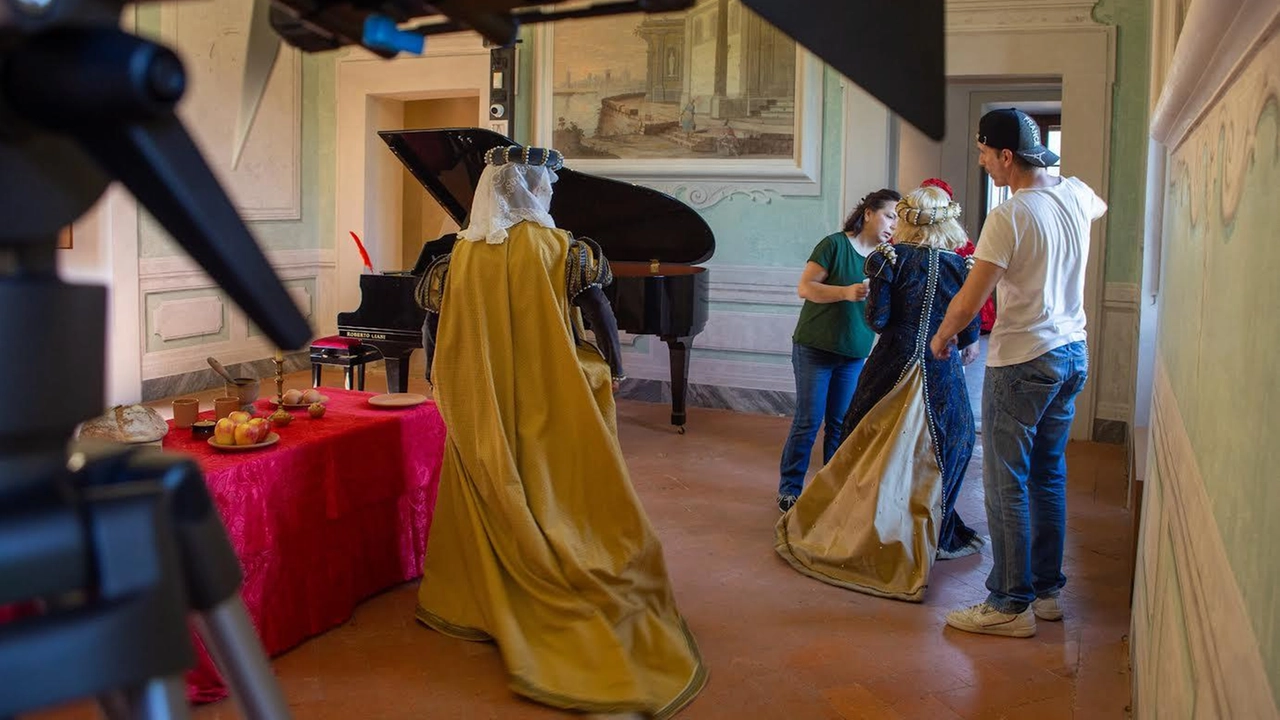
824 387
1026 415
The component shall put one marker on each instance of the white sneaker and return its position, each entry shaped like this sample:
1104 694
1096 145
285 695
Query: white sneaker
1047 608
972 547
986 620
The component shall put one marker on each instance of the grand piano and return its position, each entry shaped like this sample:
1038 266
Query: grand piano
653 241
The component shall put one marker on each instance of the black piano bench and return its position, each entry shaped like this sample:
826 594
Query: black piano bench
348 353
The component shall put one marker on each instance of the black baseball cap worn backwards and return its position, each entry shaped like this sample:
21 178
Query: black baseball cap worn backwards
1012 129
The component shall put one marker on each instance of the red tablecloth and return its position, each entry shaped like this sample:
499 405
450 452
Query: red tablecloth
336 511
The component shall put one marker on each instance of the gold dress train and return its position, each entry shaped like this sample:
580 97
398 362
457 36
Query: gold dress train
869 519
539 541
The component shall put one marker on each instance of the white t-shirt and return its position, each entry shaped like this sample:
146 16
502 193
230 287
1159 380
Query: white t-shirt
1040 236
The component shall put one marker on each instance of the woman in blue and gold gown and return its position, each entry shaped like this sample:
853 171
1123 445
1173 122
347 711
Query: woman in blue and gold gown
875 518
539 542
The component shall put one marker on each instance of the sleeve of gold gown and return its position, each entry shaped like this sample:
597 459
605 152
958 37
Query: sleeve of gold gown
587 272
430 297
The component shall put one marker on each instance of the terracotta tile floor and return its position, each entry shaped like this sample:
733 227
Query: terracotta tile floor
778 645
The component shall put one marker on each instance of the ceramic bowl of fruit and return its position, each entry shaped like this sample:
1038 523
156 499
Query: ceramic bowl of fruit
301 399
242 431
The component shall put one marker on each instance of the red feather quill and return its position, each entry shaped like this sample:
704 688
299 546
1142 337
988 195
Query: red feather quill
364 254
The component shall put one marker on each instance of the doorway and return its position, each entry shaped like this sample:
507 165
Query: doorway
422 218
374 194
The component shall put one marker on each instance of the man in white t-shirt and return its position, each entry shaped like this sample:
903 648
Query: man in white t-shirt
1032 252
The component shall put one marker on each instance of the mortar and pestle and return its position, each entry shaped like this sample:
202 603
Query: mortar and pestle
244 389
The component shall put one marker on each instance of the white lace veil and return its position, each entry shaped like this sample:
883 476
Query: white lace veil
507 194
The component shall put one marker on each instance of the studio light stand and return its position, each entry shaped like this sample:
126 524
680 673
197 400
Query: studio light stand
118 547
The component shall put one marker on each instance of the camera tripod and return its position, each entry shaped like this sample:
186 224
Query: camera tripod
117 545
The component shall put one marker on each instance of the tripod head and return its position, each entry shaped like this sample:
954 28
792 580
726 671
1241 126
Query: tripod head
82 103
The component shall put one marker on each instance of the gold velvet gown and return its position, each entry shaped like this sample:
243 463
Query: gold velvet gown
539 542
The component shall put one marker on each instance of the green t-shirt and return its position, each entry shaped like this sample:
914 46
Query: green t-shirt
838 327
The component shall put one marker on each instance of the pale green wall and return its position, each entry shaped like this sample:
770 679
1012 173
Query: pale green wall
782 232
1127 183
315 228
1218 329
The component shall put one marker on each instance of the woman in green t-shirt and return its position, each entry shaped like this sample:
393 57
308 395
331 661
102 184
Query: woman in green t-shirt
831 339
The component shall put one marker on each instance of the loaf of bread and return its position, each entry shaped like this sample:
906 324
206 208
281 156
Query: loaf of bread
126 424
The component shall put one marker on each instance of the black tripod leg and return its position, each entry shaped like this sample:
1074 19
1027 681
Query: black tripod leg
230 637
160 699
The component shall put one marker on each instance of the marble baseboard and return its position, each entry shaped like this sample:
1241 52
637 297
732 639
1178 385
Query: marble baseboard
764 402
265 369
1113 432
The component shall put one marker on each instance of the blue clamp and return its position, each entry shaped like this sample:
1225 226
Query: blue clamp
380 32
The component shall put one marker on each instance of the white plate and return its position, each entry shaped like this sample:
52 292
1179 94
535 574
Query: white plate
272 439
299 406
397 400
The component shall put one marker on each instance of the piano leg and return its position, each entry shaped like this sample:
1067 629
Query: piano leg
398 372
679 349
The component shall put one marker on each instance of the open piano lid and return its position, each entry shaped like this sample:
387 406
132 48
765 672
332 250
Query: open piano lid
631 222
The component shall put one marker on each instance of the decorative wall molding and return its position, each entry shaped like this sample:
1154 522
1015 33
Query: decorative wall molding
1116 336
1194 650
1122 296
1017 15
703 195
210 38
1214 144
1217 43
746 332
193 317
755 286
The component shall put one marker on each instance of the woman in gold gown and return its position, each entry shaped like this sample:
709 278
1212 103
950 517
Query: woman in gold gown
539 542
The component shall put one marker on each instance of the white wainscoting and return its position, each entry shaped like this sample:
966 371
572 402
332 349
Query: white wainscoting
203 316
765 329
1114 374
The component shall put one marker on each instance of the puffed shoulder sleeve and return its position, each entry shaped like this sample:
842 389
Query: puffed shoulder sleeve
430 291
881 263
586 267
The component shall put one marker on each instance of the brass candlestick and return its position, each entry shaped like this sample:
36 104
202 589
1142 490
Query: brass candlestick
279 361
281 416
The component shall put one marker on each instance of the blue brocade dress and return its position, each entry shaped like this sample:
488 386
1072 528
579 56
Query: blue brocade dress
875 517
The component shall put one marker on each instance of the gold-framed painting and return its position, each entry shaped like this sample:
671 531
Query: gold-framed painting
713 92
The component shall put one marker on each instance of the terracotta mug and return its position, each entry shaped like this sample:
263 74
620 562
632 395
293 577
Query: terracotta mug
224 406
185 411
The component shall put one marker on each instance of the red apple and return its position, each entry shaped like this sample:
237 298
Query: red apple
224 432
262 426
246 434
